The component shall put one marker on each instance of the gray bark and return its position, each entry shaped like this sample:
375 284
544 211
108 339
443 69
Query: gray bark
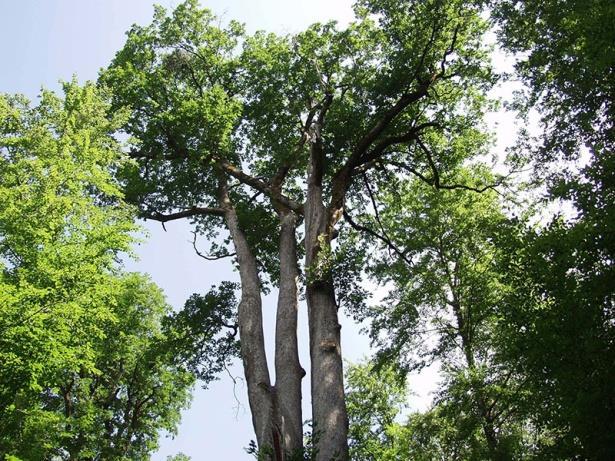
288 370
330 419
250 319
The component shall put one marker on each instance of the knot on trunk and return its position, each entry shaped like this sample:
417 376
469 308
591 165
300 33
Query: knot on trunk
266 387
328 345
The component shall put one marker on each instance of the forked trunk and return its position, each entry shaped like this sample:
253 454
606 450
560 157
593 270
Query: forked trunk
276 411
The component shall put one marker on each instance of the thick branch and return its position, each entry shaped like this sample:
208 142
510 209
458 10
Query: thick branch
380 147
373 134
193 211
259 185
278 178
343 177
179 153
360 154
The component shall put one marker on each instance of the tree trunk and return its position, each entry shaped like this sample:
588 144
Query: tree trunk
464 332
330 420
250 318
288 370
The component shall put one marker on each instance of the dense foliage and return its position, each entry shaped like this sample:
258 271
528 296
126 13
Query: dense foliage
361 149
92 364
562 306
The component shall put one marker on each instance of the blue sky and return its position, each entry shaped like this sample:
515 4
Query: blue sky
44 41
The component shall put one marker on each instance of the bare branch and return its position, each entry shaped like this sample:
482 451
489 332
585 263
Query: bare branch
437 185
375 207
235 379
432 165
204 256
449 51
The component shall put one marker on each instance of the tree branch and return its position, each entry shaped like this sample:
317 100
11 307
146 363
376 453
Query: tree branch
375 234
404 101
204 256
437 185
193 211
380 147
259 185
278 178
372 198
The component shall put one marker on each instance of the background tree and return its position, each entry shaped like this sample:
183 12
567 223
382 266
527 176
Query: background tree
564 320
440 258
60 232
375 401
178 457
567 62
379 429
560 332
87 370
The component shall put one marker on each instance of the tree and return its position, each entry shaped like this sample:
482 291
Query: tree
567 62
440 257
380 431
92 365
232 136
178 457
178 75
375 400
60 231
135 389
560 332
564 327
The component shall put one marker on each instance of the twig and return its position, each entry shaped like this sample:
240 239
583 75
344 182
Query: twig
209 258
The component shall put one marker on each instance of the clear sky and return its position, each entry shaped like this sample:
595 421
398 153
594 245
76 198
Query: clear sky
44 41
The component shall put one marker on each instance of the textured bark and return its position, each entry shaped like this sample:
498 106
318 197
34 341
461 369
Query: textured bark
288 370
329 414
260 395
328 402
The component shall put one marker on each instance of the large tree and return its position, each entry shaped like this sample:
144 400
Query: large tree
257 134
